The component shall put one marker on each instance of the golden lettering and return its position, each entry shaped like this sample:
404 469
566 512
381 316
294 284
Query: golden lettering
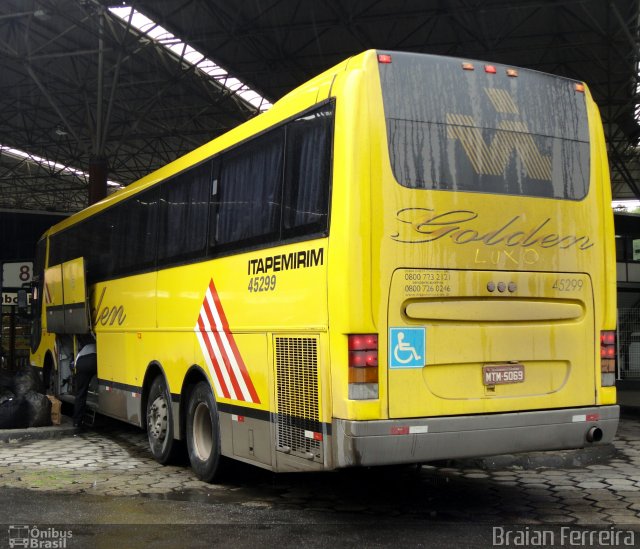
528 256
108 315
422 226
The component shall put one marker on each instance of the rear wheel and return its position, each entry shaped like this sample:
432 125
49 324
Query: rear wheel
203 432
160 422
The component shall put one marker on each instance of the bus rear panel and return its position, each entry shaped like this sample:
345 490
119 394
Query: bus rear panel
491 247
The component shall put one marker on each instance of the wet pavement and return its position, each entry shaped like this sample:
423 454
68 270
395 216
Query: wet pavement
95 471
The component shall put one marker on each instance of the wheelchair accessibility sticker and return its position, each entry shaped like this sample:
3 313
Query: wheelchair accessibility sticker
407 347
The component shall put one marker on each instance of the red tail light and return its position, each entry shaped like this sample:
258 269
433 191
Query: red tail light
363 342
362 359
490 69
608 356
608 338
384 58
363 366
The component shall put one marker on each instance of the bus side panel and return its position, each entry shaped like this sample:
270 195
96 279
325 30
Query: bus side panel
606 286
351 272
231 309
123 311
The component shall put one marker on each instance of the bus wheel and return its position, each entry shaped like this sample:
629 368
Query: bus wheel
160 422
203 432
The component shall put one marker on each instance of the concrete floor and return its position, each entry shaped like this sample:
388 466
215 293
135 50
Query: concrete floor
109 478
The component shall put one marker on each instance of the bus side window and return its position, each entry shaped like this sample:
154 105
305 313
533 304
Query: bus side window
136 216
308 173
248 201
184 206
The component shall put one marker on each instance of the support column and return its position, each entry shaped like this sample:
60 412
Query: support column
97 179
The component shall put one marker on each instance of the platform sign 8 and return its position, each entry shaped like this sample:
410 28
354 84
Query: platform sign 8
16 274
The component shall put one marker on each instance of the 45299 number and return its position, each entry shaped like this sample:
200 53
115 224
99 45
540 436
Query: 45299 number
262 283
567 284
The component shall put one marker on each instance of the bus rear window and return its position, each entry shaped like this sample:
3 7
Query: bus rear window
478 131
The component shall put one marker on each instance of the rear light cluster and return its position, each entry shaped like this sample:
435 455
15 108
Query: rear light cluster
490 69
363 366
608 357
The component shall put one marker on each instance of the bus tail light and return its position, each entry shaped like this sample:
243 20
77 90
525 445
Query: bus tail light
608 357
384 58
363 366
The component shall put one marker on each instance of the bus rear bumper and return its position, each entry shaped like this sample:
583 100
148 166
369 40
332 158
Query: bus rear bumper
418 440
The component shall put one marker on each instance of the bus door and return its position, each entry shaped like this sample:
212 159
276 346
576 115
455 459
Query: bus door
67 314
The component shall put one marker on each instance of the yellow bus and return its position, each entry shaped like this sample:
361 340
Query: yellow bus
408 258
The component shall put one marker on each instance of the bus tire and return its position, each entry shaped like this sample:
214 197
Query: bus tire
203 432
160 422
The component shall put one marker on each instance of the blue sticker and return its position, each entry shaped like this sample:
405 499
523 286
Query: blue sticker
407 347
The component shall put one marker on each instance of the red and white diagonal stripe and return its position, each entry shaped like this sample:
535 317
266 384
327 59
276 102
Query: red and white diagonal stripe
47 294
228 371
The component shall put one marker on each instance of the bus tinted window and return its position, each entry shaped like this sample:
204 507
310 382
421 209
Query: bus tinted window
275 186
238 195
184 207
246 202
119 240
134 232
463 130
308 166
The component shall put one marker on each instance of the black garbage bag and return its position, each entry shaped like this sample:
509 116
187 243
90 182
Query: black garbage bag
13 414
25 380
6 394
6 380
38 409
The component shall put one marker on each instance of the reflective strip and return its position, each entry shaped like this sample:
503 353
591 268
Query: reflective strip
226 367
47 294
313 435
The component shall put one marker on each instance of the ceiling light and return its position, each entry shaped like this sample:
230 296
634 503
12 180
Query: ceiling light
42 15
190 55
49 164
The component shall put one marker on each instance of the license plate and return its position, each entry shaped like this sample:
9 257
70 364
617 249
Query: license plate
500 374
